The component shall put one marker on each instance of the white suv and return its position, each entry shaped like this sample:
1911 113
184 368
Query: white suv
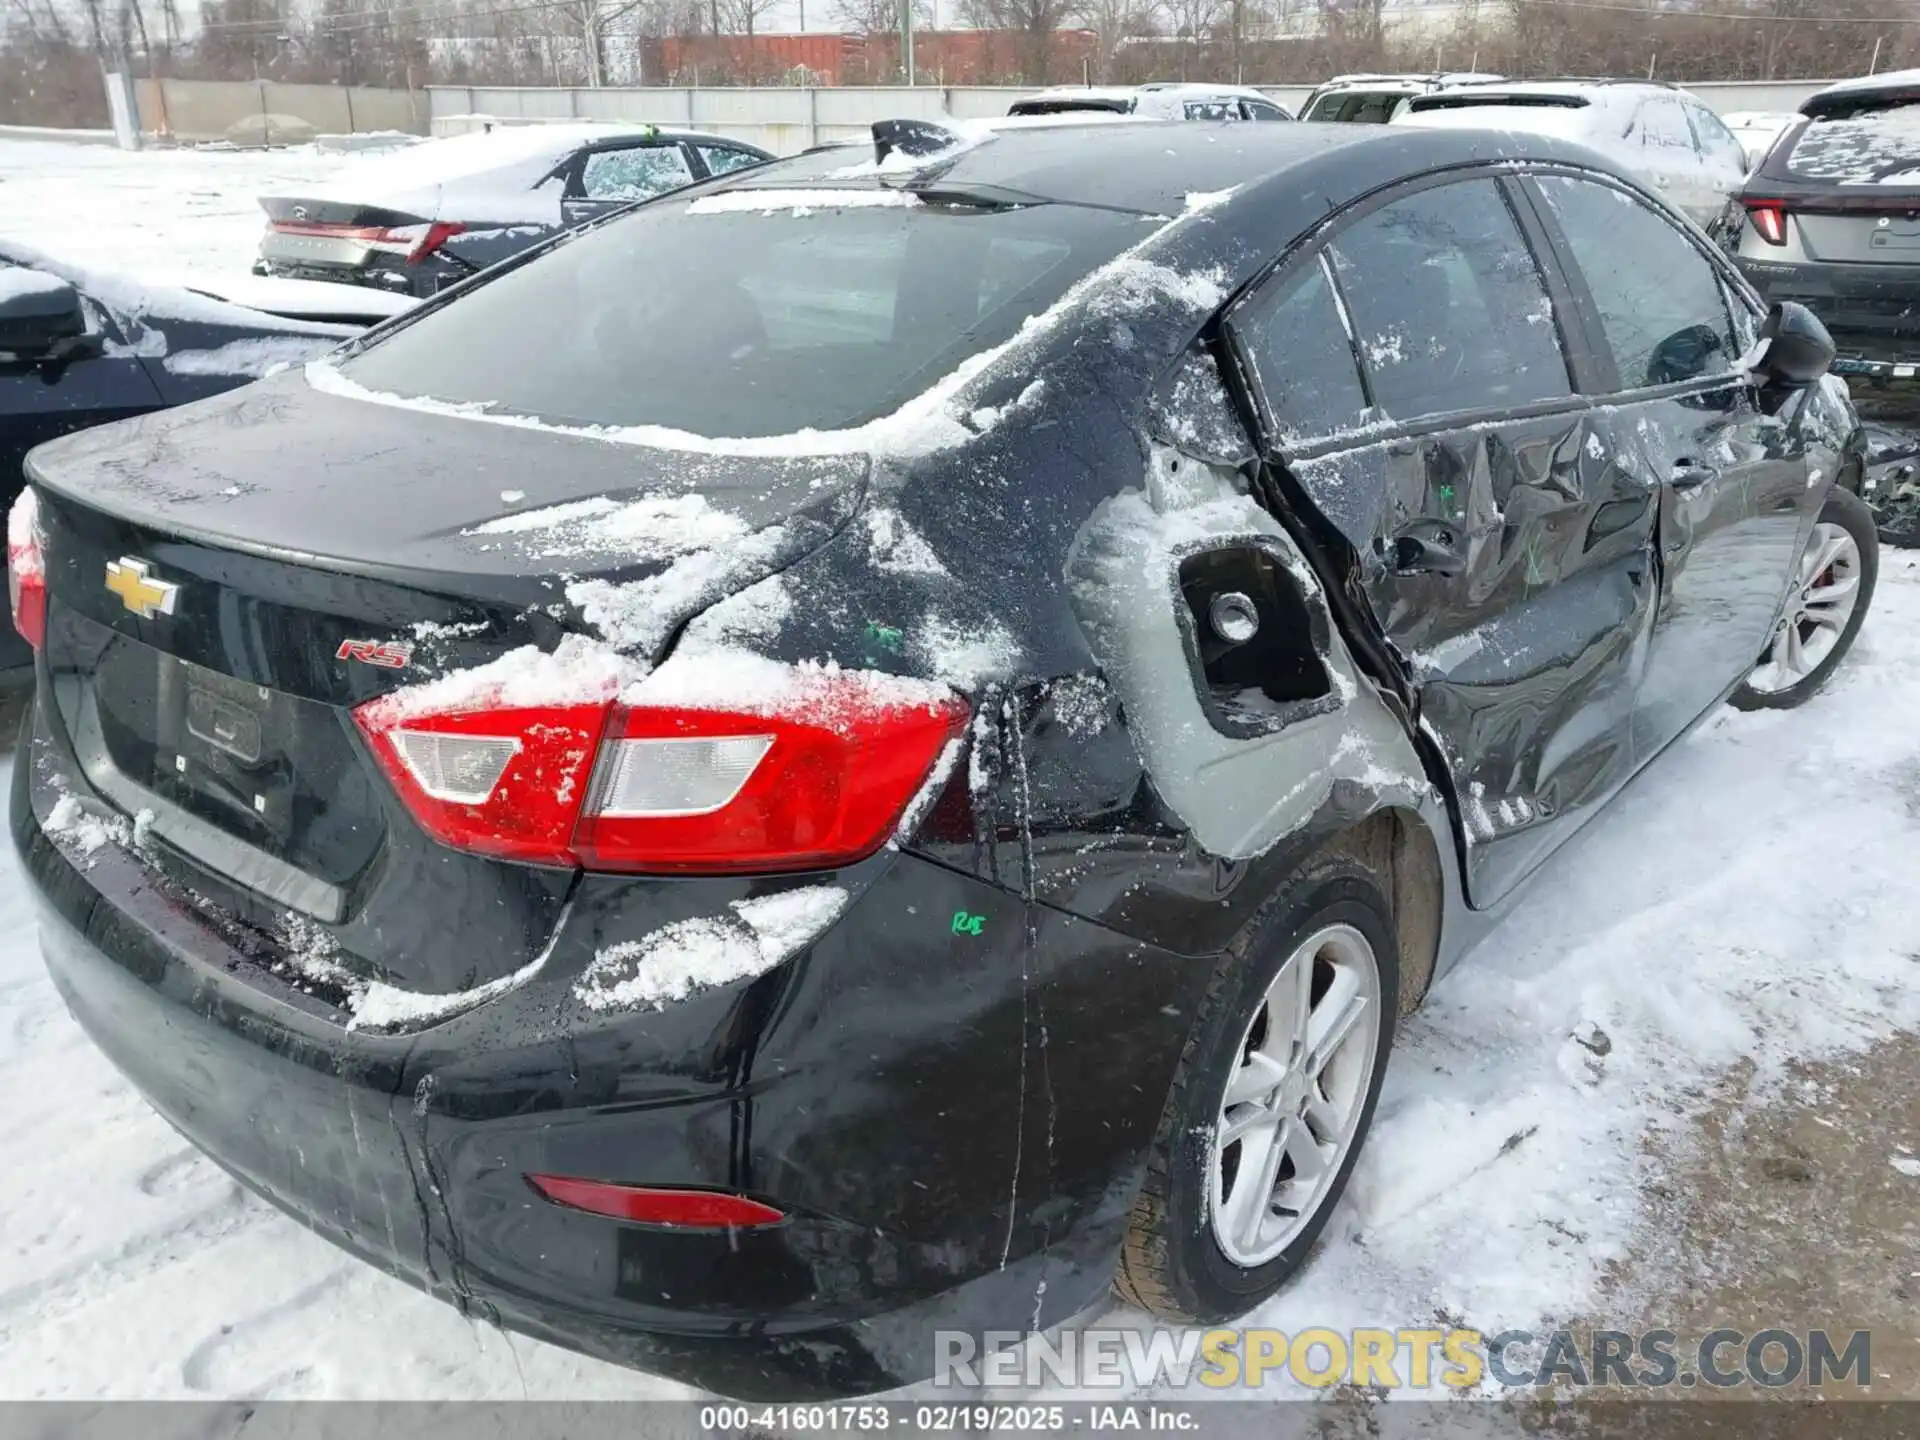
1164 100
1662 134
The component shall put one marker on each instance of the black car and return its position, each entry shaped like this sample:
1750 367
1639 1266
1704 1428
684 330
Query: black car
1832 220
900 770
79 349
416 220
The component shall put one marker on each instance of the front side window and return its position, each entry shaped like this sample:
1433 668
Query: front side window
738 322
1448 305
1658 298
639 173
1262 110
1294 338
1717 142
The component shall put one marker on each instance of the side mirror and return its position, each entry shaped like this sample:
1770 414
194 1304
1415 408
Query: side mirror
41 318
1799 349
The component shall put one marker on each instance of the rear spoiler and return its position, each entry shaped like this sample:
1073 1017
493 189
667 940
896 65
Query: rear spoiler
1838 104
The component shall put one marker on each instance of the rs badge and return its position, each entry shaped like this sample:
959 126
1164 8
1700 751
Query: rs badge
132 580
387 654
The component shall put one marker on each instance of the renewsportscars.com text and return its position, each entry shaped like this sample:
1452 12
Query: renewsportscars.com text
1455 1359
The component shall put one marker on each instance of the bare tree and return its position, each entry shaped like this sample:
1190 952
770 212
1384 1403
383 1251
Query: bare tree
1112 21
1192 23
1033 23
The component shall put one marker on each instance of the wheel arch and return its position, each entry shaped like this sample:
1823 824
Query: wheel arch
1398 847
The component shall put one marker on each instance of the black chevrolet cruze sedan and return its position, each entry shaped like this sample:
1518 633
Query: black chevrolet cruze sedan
878 745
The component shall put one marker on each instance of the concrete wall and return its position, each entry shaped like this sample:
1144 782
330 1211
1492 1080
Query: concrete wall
788 120
195 110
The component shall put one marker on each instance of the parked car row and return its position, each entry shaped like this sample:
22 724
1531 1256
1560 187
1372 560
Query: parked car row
877 745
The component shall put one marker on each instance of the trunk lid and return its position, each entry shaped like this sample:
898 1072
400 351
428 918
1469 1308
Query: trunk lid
210 570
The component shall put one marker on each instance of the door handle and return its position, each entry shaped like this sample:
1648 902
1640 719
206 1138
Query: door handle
1687 474
1427 547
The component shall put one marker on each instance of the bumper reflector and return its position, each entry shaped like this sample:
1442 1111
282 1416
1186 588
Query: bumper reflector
651 1205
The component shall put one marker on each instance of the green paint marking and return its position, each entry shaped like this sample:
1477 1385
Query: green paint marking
1446 498
965 924
885 636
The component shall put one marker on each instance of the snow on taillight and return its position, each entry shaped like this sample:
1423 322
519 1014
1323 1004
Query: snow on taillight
1769 219
811 771
27 570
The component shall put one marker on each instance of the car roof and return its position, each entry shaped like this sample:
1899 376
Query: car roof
1301 170
1846 95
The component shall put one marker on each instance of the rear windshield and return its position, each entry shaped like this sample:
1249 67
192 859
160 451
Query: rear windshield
1422 104
1358 107
1069 107
723 320
1877 147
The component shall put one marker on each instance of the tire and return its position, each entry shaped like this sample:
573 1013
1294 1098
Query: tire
1779 685
1173 1263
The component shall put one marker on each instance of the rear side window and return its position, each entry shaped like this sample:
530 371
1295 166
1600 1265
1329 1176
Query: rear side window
722 158
1658 298
1447 304
1294 337
1213 109
1875 147
737 322
639 173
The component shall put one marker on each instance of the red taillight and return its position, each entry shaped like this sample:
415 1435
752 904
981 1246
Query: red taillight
650 1205
27 570
816 779
1769 219
414 242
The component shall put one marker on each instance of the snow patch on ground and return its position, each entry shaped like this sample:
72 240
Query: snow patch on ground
690 955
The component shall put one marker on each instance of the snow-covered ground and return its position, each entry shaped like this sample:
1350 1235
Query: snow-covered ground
1749 900
170 216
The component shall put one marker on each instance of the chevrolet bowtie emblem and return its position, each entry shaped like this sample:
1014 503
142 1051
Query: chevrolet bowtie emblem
146 597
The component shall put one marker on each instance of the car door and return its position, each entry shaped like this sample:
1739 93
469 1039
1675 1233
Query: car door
611 176
1737 489
103 380
1418 400
1723 159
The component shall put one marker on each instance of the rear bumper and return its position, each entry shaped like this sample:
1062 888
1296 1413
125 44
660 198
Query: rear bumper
339 264
1872 311
886 1090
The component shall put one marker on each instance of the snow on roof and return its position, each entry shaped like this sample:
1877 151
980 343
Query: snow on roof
492 169
1885 80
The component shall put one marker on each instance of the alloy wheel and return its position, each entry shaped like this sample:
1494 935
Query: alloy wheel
1826 588
1293 1103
